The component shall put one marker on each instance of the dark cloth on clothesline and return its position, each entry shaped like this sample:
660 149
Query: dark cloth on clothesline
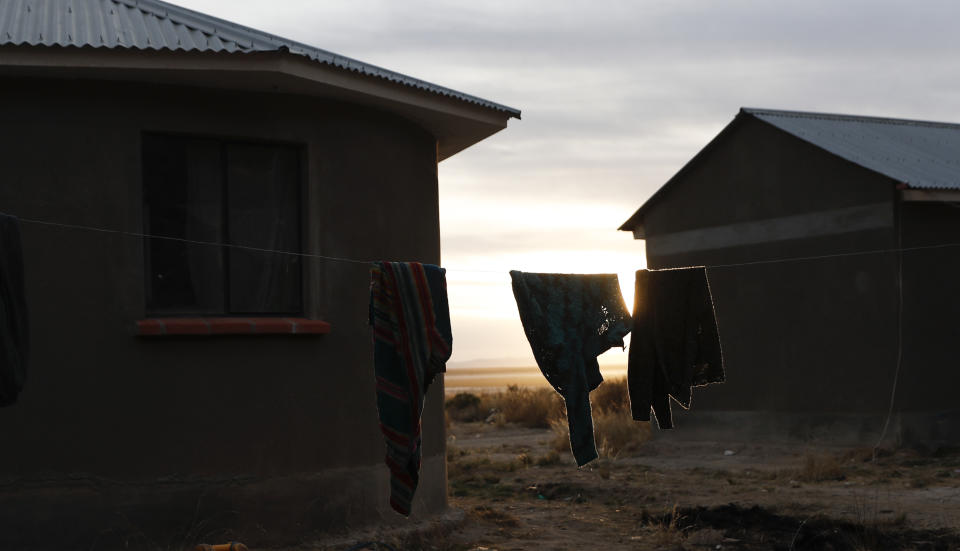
675 343
14 322
569 320
412 341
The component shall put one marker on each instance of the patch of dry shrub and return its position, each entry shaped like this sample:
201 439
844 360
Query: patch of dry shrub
551 458
532 407
528 407
614 431
820 468
467 465
667 532
464 407
611 395
494 516
560 441
482 465
859 455
617 432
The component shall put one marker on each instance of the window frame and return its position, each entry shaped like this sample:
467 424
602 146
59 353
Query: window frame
301 150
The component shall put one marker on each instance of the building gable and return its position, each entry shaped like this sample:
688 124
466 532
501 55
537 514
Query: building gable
920 155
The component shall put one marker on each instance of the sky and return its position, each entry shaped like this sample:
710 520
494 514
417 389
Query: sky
616 97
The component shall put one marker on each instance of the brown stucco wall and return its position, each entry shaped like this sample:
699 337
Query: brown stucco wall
268 438
810 336
931 310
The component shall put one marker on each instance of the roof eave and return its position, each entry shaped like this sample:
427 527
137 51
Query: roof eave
456 123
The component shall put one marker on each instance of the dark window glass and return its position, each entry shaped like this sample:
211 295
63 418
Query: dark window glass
221 192
263 210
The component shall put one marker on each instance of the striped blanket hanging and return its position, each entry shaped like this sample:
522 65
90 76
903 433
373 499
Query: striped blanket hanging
412 342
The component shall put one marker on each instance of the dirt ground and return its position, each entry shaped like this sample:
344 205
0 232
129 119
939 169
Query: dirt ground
513 490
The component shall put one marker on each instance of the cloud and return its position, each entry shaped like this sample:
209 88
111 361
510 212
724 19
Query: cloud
616 96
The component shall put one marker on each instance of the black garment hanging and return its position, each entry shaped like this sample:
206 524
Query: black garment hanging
14 327
676 343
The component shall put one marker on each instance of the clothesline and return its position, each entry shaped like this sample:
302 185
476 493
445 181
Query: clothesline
585 455
461 270
218 244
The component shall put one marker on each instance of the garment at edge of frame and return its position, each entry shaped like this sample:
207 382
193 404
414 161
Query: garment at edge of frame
412 341
569 320
675 344
14 322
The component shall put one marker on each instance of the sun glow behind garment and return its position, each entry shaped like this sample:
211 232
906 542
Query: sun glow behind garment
487 325
483 309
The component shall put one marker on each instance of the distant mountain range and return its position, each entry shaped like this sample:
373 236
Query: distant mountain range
481 363
493 362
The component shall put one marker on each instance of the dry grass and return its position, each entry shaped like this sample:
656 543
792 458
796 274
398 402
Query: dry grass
475 464
614 429
454 452
561 435
464 408
667 532
540 407
615 432
532 407
493 516
870 529
528 407
611 395
860 455
820 468
525 459
550 458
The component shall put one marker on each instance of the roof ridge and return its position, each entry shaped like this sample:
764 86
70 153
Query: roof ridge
220 35
847 118
164 9
199 19
213 25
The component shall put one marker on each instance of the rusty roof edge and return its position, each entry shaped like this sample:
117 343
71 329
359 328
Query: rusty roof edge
215 26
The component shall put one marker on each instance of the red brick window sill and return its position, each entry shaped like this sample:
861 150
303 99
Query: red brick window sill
160 327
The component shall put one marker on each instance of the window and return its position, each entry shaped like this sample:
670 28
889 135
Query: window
215 191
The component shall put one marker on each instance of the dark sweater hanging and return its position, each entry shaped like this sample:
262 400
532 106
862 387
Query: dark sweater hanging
675 343
569 320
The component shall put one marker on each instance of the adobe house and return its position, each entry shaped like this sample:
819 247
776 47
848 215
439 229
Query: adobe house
182 390
799 217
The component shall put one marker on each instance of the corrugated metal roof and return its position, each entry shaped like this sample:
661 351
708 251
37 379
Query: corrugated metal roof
921 154
156 25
